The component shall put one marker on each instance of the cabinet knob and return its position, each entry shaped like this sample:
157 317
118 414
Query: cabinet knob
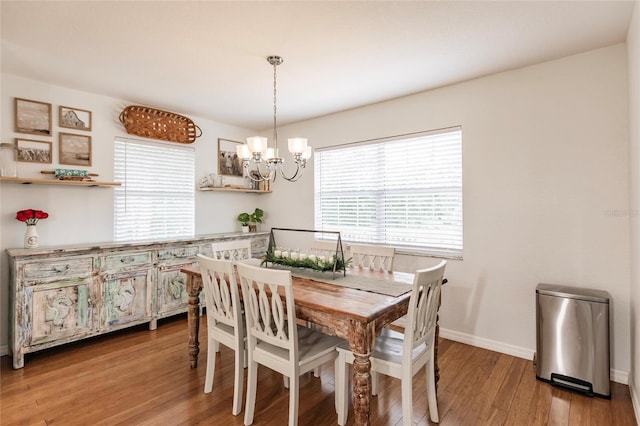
60 269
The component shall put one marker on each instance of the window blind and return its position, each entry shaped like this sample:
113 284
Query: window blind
404 192
156 199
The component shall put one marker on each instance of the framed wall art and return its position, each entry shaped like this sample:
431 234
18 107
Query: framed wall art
32 117
74 118
229 164
31 151
75 149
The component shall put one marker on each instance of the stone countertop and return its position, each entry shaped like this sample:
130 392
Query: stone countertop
127 245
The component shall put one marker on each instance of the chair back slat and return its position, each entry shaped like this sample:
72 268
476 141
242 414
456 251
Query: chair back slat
378 258
270 316
220 291
423 307
232 250
325 248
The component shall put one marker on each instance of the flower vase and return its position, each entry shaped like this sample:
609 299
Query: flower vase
31 237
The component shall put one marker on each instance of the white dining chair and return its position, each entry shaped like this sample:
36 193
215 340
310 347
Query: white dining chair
379 258
225 322
274 339
232 250
399 357
326 248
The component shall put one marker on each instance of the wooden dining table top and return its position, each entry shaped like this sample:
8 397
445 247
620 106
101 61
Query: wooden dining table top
314 298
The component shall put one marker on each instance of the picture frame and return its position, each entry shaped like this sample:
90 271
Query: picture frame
31 151
75 149
74 118
229 164
33 117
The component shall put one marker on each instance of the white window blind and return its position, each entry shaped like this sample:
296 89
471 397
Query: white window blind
156 199
404 192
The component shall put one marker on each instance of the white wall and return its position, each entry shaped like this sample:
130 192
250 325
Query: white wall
546 189
633 59
85 215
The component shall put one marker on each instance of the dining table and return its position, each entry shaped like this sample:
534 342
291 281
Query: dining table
350 307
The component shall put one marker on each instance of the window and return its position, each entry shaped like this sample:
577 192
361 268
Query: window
404 192
156 199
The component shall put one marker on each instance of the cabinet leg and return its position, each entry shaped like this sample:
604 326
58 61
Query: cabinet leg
18 361
153 324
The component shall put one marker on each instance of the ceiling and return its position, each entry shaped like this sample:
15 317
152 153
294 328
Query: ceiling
208 58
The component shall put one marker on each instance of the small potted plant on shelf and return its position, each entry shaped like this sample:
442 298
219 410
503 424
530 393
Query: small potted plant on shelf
243 218
254 219
250 221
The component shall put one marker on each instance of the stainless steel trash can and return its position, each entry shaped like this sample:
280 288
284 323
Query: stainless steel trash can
572 337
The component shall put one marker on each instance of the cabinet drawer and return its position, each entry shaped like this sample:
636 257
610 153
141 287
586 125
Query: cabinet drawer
175 255
58 268
126 261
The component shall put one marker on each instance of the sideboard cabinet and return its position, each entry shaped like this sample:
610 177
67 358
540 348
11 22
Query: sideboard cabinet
63 294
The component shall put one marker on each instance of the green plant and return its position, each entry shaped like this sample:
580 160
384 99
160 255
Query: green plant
255 217
316 264
244 219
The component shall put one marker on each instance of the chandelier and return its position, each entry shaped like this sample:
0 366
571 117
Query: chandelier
262 163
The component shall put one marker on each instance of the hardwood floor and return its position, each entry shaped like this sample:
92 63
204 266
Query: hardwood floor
142 377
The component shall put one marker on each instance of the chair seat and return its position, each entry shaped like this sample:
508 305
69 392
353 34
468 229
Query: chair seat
311 346
388 349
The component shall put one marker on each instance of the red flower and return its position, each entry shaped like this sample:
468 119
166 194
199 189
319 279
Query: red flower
31 216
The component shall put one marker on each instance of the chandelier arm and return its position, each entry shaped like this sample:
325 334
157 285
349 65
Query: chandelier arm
297 175
262 178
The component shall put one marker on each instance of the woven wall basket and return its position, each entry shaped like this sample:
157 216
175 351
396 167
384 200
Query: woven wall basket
158 124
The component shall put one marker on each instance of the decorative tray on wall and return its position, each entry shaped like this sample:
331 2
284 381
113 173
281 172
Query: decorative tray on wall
158 124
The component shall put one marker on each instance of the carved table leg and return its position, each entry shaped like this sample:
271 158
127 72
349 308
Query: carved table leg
361 342
194 285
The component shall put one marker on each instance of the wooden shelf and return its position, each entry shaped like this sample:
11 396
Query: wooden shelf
37 181
255 191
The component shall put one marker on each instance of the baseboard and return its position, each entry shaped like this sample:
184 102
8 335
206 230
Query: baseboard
491 345
635 399
4 350
617 376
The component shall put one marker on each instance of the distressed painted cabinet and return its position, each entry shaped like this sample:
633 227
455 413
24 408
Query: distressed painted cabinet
126 287
172 296
63 294
57 301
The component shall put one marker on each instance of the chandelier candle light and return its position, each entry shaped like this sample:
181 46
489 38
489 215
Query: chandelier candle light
256 151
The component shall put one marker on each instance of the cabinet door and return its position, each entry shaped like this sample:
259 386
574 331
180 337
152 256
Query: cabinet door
58 310
126 298
172 296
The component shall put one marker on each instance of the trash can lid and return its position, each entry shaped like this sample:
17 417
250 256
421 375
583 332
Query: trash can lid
573 292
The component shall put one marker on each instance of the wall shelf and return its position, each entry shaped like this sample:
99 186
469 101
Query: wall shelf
255 191
36 181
